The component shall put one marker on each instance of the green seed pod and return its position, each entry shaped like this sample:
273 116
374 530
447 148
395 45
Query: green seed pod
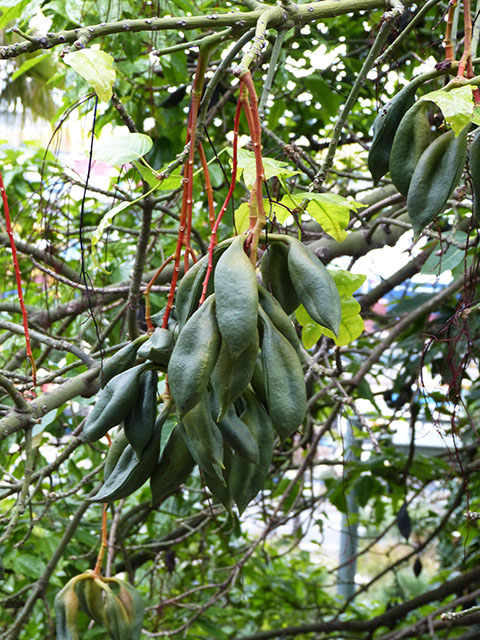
236 298
158 347
474 163
194 357
115 450
276 277
258 381
284 381
133 609
231 376
122 360
90 596
278 316
190 290
246 479
116 619
220 488
203 438
66 611
113 403
384 128
131 472
238 436
436 175
314 285
173 468
139 422
412 138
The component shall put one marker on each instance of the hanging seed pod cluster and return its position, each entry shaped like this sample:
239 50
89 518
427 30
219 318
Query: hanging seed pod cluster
234 372
110 602
423 166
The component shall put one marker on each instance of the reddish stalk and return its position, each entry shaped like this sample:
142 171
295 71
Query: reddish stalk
256 195
466 59
185 226
18 278
148 316
208 186
213 236
447 41
103 547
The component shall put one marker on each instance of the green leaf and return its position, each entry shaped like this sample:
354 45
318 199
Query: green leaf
11 11
351 325
171 183
331 211
456 106
122 149
242 217
347 282
446 261
28 64
271 168
106 222
96 67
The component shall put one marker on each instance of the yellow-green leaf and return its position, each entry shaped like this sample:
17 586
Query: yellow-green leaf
96 67
456 105
271 168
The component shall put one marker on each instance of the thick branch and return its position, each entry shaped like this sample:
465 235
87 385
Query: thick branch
240 21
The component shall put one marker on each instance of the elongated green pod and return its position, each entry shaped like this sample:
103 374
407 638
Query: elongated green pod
139 422
246 479
66 607
194 357
315 287
131 611
122 360
278 316
474 164
116 618
411 139
239 436
90 596
236 298
115 450
284 381
172 469
158 348
190 290
231 376
276 276
113 403
203 438
258 381
131 472
384 129
436 175
220 488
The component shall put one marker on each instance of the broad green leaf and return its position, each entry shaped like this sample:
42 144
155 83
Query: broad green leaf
242 217
123 149
476 115
331 211
106 222
168 184
447 260
28 64
351 325
96 67
271 167
11 11
456 106
347 282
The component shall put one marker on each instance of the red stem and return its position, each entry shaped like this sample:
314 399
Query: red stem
213 236
18 278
